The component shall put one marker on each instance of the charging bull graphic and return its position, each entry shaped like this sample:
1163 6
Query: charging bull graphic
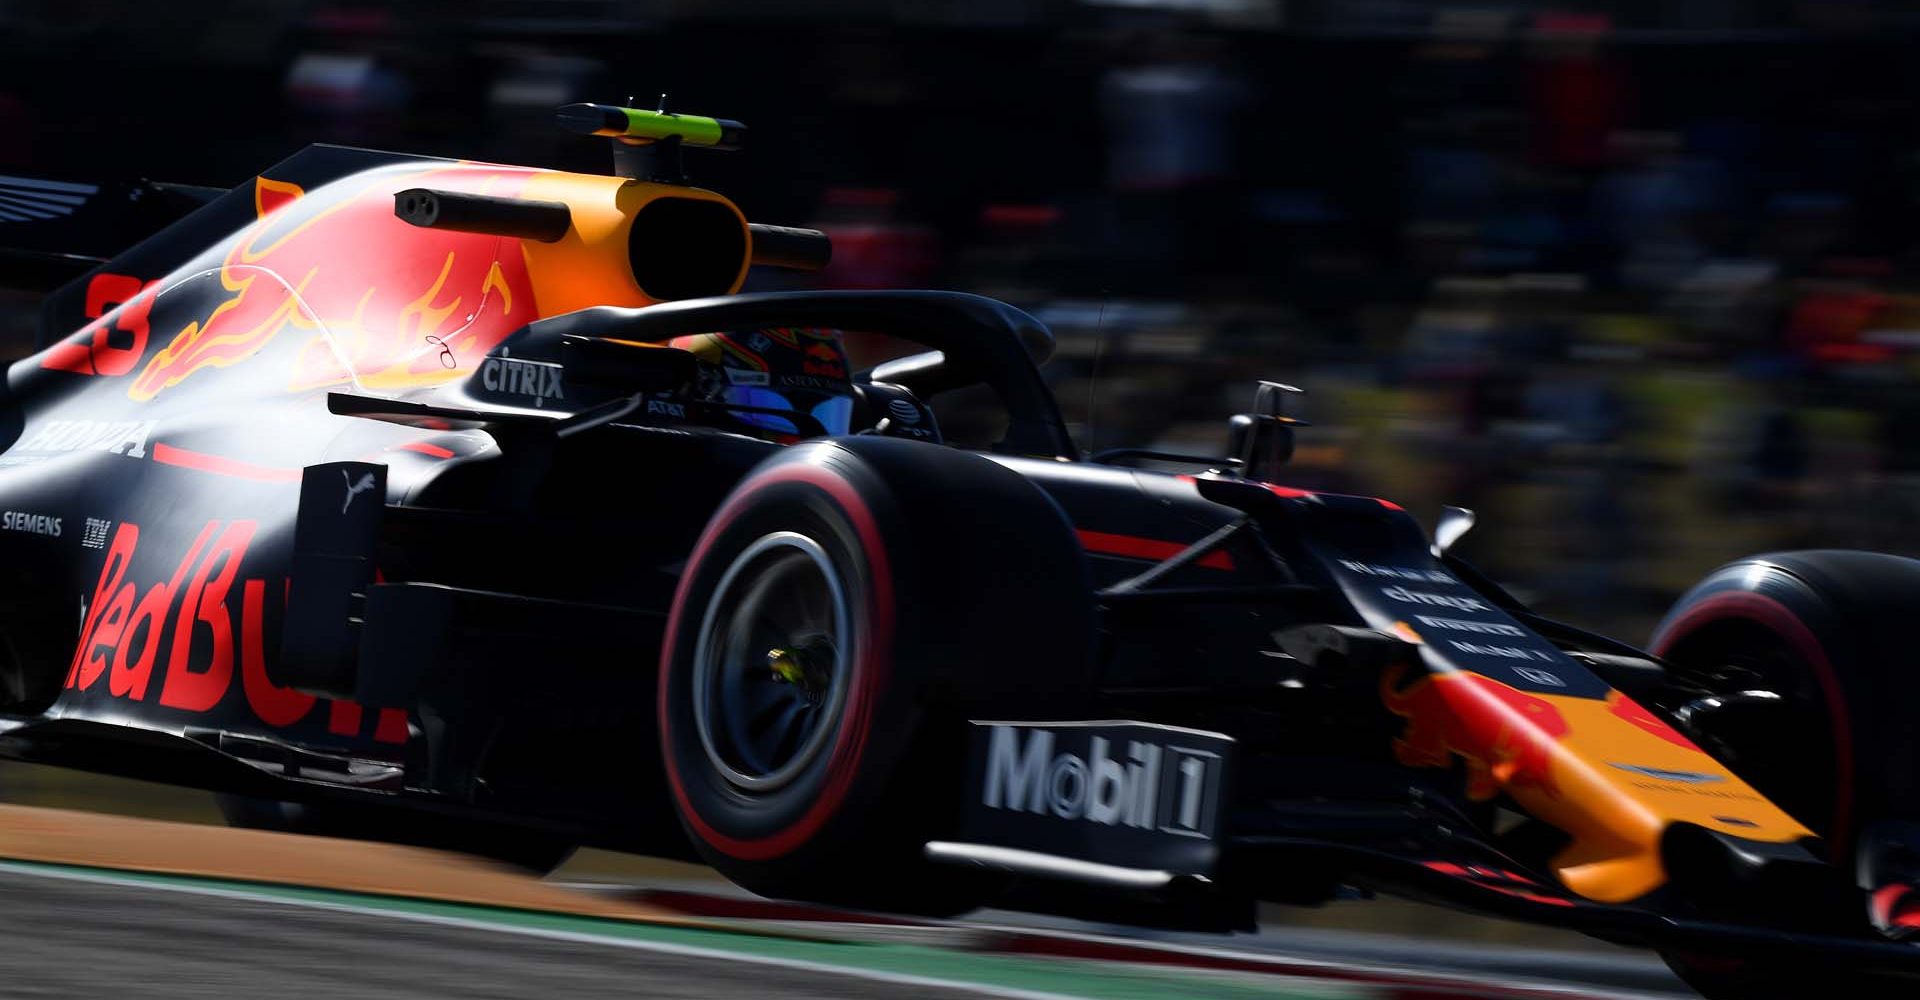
1505 736
377 301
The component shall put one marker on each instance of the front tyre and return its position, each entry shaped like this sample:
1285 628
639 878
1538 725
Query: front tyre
846 607
1795 667
1802 656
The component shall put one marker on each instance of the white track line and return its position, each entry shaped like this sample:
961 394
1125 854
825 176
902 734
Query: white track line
1286 964
1301 966
660 947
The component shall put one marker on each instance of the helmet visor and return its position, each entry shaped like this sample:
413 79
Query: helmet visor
833 411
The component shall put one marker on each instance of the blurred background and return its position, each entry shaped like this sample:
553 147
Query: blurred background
1638 281
1635 280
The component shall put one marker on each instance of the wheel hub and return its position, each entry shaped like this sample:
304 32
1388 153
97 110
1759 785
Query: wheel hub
772 665
807 666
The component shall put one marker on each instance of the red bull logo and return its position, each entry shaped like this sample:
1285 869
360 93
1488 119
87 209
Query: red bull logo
1507 738
821 358
194 634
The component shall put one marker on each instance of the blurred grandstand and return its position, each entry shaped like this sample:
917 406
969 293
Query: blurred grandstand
1635 280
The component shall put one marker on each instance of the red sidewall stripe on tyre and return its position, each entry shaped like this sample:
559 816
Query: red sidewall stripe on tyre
1743 605
869 674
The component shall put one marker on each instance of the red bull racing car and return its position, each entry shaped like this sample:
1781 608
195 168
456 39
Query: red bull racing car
470 504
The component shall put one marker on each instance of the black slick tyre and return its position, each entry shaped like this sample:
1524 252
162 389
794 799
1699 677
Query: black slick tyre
847 607
1825 632
1795 664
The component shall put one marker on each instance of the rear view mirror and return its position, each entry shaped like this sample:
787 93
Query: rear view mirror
1455 522
1262 441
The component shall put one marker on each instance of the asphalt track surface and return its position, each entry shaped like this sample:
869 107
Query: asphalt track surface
72 938
77 932
85 939
96 905
1600 972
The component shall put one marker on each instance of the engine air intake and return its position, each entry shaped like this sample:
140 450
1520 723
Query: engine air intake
686 248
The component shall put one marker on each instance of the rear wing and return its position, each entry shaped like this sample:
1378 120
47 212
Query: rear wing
54 231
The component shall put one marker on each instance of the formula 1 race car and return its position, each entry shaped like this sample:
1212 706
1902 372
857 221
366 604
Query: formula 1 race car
470 505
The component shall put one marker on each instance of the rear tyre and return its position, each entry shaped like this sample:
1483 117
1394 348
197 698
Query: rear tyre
849 605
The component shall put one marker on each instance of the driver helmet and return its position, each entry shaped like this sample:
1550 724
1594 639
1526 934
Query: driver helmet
775 370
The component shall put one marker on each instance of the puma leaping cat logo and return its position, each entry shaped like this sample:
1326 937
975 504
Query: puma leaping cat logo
353 488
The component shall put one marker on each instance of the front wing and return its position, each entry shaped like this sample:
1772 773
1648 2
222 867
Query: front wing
1126 821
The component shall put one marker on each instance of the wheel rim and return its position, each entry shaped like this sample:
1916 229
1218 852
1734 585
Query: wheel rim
770 670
